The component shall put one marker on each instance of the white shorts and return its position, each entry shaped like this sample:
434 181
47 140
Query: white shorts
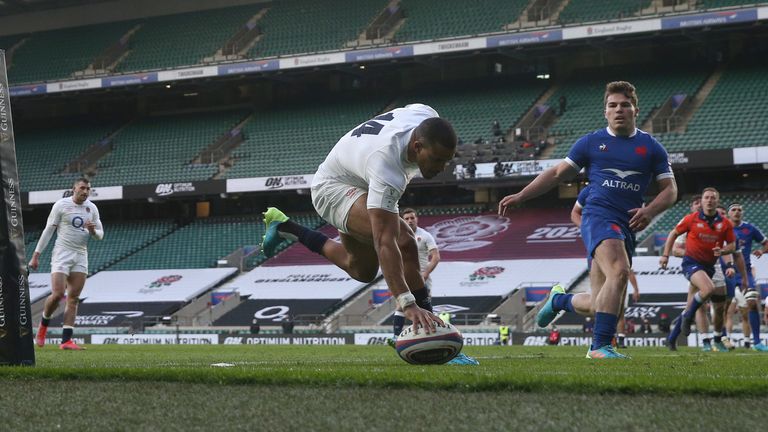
739 298
68 261
333 200
718 279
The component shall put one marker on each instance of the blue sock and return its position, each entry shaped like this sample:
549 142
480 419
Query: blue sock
423 299
754 322
562 302
605 327
313 240
695 305
725 332
676 329
397 324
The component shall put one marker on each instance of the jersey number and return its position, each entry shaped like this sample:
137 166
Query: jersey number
372 127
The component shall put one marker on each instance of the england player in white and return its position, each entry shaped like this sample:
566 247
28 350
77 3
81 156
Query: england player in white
357 188
76 220
429 257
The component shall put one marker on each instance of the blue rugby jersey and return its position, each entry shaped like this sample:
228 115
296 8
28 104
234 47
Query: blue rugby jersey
619 170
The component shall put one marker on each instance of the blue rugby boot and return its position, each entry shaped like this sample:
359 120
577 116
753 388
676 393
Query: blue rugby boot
463 359
272 239
547 313
761 347
606 352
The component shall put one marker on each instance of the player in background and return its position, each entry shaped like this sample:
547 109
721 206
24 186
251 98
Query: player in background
76 220
582 302
429 257
707 232
746 234
357 189
718 280
620 162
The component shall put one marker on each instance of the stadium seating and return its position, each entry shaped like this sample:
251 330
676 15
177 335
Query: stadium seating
298 26
160 148
579 11
724 120
472 108
201 243
712 4
120 240
56 146
434 19
296 140
184 39
57 54
585 98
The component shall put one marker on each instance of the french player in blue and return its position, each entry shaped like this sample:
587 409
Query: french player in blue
746 234
620 161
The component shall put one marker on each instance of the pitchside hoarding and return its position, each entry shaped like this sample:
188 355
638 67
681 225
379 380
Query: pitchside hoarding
15 314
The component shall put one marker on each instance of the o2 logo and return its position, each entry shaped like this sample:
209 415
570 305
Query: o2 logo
78 222
554 234
272 313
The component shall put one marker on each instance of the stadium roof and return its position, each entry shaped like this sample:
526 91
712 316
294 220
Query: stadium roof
11 7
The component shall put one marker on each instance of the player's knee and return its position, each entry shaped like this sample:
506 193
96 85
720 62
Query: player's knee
73 301
718 298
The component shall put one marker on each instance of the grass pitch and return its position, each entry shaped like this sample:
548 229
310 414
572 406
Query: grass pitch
368 388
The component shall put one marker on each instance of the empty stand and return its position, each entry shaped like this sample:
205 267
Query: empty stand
584 94
434 19
578 11
58 54
184 39
296 140
57 147
160 148
298 26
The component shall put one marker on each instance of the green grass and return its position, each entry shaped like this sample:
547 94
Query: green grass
118 387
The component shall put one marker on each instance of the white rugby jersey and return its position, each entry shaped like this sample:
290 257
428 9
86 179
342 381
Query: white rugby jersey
69 219
426 243
373 156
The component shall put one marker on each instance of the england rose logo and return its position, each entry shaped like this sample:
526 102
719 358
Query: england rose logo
467 232
165 281
486 273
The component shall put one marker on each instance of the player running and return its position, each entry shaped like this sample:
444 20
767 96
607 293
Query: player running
76 219
620 162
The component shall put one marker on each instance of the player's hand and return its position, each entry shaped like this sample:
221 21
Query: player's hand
641 217
425 275
663 261
91 227
729 272
34 262
636 296
507 202
717 251
757 252
422 317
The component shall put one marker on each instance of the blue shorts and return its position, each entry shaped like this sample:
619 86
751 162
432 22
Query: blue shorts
734 283
691 266
595 229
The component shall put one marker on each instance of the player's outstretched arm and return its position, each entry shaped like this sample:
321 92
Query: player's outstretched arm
664 258
666 197
539 186
385 227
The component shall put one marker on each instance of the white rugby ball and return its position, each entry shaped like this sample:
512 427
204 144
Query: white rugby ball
438 347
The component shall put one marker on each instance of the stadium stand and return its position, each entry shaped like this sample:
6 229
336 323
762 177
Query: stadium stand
298 26
712 4
184 39
166 145
724 120
296 140
57 54
585 98
121 240
579 11
56 146
203 242
435 19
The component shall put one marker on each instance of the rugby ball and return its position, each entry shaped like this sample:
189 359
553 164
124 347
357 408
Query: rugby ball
438 347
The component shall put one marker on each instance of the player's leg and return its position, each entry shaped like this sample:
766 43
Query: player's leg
621 324
745 328
730 312
58 288
753 300
75 284
611 258
704 287
558 300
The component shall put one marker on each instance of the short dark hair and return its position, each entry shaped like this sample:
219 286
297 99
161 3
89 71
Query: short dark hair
710 189
436 130
622 87
81 179
407 210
